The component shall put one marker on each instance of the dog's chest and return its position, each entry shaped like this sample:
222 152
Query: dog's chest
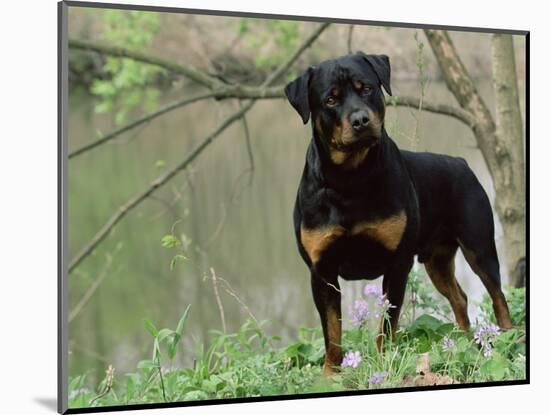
386 232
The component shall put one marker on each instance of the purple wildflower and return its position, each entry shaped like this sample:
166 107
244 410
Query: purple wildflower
375 291
448 344
377 377
484 336
359 312
351 359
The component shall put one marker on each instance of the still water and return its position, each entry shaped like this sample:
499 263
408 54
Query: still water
231 219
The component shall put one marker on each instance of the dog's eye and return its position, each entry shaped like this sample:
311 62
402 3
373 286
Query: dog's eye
367 89
331 101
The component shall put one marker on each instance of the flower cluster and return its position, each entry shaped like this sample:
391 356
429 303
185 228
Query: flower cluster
373 305
351 359
374 291
360 312
377 377
484 336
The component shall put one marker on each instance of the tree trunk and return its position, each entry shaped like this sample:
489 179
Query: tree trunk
510 132
501 153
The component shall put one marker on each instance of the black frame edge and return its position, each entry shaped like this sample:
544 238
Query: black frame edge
254 15
62 124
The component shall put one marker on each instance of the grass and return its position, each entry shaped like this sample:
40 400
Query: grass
249 363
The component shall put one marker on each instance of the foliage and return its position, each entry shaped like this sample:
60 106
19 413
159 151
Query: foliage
170 241
129 84
251 363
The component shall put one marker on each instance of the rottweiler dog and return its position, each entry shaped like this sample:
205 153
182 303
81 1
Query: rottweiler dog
365 208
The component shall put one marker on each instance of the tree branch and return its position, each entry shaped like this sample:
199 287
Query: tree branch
186 70
246 131
222 89
138 122
413 102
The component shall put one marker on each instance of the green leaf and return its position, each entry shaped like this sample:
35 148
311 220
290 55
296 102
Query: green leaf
495 368
171 349
159 164
177 258
150 327
170 241
183 319
156 349
164 333
147 364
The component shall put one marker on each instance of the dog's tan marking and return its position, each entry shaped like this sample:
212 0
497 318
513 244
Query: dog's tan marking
375 123
317 241
388 231
342 133
500 306
348 160
358 85
333 356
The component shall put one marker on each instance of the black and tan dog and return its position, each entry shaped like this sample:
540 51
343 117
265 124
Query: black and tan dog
365 208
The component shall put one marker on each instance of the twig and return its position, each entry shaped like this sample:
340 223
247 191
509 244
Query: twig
350 37
449 110
218 299
110 374
91 290
138 122
248 148
232 293
286 65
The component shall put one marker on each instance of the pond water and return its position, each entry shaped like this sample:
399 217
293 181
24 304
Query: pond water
235 221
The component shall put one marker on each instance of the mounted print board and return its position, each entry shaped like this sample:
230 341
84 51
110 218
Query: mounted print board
266 207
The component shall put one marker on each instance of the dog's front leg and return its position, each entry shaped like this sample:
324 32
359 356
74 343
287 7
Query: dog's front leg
393 285
327 297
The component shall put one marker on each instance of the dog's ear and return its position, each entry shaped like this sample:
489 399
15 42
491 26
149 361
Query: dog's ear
297 93
381 66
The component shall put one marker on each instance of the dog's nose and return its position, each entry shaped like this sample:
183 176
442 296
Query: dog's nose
359 120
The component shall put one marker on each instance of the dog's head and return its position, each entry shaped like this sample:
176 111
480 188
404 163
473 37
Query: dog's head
344 98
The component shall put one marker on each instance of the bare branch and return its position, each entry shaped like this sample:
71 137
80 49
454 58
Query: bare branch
138 122
223 90
248 148
218 299
91 290
286 66
413 102
186 70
